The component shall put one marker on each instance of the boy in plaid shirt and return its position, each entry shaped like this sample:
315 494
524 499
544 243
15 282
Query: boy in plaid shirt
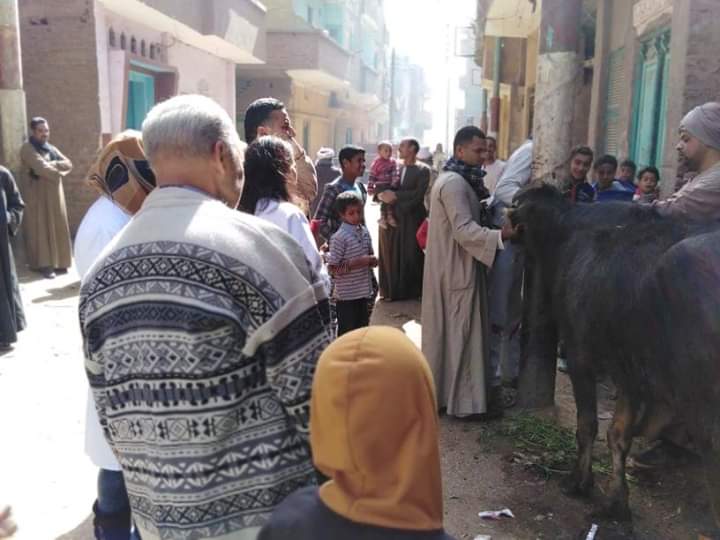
350 262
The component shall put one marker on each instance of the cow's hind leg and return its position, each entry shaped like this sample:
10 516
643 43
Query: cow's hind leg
711 460
583 383
620 436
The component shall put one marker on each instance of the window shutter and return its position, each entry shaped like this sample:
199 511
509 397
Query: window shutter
615 87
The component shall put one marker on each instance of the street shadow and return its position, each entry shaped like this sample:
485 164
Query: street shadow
84 531
25 275
59 293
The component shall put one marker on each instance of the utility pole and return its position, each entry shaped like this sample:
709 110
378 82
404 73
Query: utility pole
495 100
559 68
558 71
12 96
391 121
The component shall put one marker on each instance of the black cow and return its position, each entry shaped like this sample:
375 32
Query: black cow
599 265
681 300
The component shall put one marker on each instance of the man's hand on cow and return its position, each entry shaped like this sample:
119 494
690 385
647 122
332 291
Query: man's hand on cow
509 232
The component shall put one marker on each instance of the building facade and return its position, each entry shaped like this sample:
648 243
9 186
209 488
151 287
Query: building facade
328 61
410 94
644 64
474 110
94 68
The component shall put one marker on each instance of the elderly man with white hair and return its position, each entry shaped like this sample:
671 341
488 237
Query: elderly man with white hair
699 147
201 328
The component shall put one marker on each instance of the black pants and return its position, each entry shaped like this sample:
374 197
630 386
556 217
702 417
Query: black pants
352 314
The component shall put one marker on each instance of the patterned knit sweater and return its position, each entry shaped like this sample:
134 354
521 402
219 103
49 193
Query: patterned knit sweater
201 328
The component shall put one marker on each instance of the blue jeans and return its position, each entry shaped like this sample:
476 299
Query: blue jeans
505 311
113 520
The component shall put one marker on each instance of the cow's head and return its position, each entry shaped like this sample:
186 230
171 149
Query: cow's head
537 210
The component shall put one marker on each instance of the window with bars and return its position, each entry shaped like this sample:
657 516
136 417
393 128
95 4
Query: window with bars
614 93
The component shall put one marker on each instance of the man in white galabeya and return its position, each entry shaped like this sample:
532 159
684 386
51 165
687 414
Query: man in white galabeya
202 327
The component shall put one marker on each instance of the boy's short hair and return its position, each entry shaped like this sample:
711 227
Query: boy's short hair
348 152
381 144
606 160
652 170
630 164
345 200
582 150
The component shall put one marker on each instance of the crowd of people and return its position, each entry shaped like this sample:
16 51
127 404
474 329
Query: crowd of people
227 292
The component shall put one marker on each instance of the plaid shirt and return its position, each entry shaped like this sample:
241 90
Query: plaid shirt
326 219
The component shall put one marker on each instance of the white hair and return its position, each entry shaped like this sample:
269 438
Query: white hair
188 126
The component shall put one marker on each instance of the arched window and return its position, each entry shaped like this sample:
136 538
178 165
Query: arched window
143 49
133 45
123 41
111 37
152 51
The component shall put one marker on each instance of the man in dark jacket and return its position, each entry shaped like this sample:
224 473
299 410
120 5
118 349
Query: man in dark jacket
12 318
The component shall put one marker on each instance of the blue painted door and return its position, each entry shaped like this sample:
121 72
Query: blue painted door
662 121
650 106
645 149
141 98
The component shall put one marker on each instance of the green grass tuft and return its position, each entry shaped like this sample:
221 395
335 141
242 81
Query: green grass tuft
544 446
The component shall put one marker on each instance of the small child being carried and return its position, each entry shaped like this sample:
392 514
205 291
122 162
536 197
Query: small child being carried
384 175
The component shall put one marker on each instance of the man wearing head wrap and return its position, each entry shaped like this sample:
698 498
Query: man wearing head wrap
378 446
123 177
699 146
698 199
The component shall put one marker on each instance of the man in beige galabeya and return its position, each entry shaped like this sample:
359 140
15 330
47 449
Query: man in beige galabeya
47 235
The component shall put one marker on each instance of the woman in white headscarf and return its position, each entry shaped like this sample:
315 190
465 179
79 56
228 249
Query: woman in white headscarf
123 177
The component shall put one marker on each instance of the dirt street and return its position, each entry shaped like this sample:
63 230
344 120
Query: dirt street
49 481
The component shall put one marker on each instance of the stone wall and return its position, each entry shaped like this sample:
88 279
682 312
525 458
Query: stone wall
694 69
61 82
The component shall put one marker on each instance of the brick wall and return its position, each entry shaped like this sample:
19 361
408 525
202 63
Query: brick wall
61 82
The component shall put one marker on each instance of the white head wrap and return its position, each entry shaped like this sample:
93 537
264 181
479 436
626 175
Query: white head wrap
703 123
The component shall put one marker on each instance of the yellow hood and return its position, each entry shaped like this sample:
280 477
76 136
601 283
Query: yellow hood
374 431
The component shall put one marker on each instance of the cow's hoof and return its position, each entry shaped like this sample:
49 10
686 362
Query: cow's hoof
613 511
572 487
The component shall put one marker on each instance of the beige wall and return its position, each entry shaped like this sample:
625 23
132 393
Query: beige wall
308 106
62 35
202 73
